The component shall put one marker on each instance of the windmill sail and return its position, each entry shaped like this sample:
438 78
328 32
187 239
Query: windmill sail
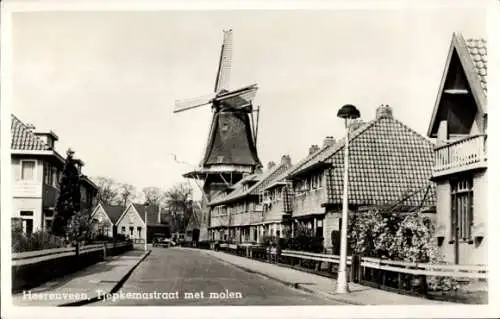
183 105
226 56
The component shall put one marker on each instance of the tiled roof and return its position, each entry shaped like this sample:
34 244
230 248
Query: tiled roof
23 138
152 214
479 56
113 211
282 177
387 161
239 192
326 152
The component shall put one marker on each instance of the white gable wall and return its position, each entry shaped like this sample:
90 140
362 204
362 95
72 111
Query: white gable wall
130 223
103 219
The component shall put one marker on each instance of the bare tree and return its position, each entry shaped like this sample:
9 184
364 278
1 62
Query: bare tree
108 190
178 201
153 196
127 193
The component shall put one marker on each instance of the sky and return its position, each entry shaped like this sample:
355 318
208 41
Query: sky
105 82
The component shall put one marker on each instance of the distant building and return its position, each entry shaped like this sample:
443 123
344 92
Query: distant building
107 217
459 125
36 171
132 224
243 213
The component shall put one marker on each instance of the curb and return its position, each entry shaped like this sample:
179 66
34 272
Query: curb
117 286
292 284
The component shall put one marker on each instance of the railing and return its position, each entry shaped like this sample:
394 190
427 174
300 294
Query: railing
335 259
403 277
464 154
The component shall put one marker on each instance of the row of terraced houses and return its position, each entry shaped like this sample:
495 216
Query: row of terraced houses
443 174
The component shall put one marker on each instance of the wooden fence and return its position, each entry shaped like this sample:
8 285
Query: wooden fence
379 273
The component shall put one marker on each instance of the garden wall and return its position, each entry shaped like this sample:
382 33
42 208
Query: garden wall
33 268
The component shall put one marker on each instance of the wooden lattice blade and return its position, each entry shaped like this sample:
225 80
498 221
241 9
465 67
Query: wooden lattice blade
184 105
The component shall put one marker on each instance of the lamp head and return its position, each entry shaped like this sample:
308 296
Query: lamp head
348 111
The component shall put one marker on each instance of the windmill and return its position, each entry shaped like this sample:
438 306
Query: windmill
230 150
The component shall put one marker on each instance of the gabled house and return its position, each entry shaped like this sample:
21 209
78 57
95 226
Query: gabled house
282 187
459 126
36 171
240 214
389 163
107 217
132 223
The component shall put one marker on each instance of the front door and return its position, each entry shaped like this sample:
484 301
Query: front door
461 215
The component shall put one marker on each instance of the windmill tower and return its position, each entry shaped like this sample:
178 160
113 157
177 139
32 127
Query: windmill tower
230 151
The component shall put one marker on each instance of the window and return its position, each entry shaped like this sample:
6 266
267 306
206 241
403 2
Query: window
319 228
46 173
461 208
123 229
131 230
27 220
28 170
28 226
54 180
26 213
139 230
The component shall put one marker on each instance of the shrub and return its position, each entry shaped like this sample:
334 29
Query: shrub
305 243
39 240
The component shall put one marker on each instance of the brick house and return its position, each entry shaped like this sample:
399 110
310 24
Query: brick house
459 125
244 213
389 163
36 171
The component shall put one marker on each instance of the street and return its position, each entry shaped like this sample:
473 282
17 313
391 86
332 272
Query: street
187 277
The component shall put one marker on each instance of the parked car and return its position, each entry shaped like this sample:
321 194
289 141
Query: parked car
163 242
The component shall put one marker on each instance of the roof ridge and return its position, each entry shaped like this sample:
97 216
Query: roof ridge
414 132
340 145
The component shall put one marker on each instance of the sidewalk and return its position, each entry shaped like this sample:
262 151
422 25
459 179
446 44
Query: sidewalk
83 286
359 295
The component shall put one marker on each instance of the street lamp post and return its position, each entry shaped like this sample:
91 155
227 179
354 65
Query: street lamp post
347 112
146 205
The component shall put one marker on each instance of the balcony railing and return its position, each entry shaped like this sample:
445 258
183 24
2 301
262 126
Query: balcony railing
462 155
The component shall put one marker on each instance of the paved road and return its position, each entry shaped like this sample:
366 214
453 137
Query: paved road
185 277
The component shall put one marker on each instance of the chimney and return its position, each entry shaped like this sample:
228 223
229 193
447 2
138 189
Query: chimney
286 160
48 138
271 164
30 127
328 141
313 149
384 111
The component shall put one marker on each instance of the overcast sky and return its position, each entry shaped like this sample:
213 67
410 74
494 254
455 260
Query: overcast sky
105 82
